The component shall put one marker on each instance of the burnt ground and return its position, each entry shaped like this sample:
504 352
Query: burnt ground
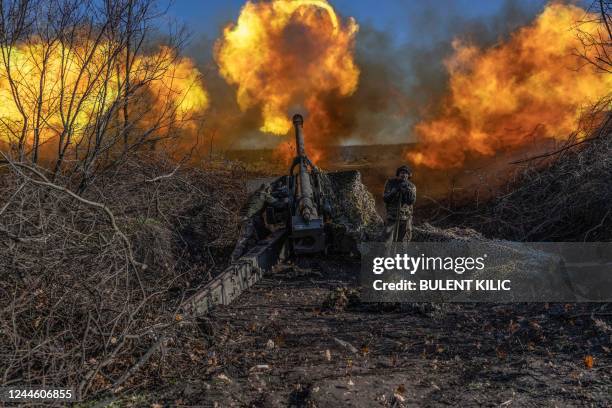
301 337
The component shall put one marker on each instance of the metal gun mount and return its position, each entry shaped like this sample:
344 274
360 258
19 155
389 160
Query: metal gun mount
306 200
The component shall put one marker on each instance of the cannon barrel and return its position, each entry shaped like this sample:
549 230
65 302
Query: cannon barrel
306 204
307 224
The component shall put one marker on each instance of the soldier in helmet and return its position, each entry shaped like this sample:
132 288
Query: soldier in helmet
252 225
399 197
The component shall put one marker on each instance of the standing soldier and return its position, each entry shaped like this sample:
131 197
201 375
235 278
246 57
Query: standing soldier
399 197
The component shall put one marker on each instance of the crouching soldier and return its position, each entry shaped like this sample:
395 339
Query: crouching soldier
252 225
399 197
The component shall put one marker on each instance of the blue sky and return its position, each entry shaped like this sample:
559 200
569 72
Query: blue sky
404 20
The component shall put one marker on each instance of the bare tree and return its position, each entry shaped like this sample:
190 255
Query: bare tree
85 272
597 44
83 77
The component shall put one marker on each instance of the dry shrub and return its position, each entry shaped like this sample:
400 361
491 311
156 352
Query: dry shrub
76 306
561 196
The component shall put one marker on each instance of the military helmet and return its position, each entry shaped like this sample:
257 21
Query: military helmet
403 168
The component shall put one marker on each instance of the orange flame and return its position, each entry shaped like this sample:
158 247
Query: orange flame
46 77
532 86
285 54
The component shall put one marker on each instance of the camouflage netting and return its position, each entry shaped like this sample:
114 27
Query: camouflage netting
354 213
428 233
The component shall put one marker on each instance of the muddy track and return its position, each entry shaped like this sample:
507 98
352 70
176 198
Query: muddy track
294 339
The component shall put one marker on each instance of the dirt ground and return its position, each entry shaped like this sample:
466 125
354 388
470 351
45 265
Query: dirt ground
301 338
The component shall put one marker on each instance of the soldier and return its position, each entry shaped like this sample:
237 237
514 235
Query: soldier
399 196
252 224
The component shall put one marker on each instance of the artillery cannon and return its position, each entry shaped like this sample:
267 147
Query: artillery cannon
307 205
303 224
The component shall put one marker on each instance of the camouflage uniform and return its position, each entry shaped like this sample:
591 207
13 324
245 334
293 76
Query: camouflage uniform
399 196
252 225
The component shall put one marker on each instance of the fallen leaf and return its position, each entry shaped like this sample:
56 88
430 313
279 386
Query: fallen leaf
501 354
279 340
535 325
401 389
178 317
589 361
223 377
513 327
